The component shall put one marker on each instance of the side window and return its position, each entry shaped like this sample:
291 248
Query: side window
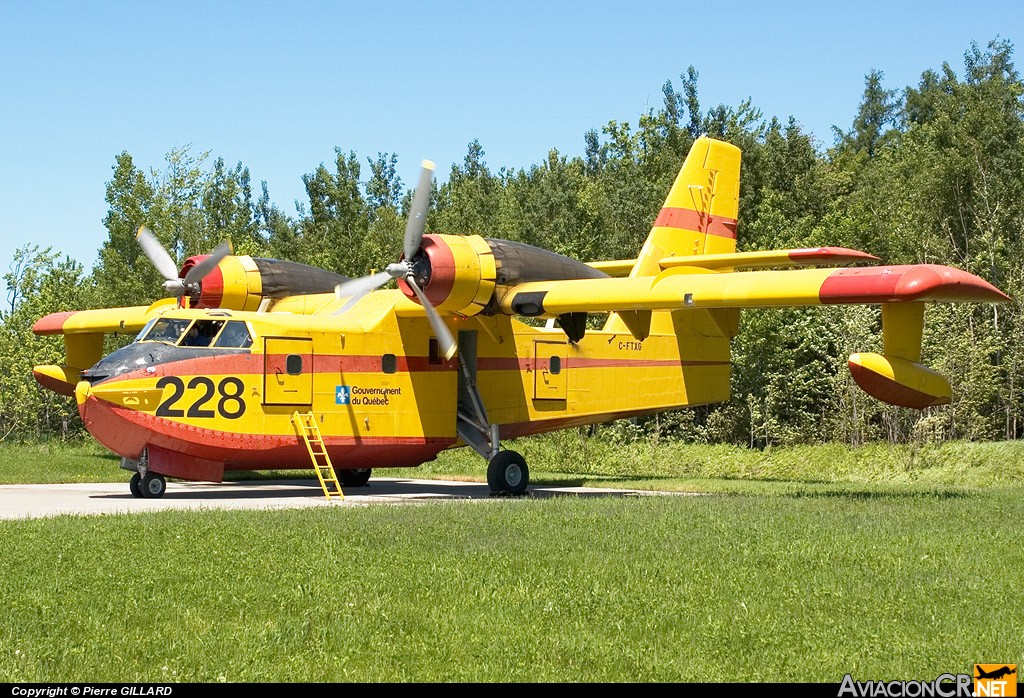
389 363
235 335
555 366
293 364
434 352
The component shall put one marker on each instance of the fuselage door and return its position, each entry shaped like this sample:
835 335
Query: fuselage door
287 371
549 374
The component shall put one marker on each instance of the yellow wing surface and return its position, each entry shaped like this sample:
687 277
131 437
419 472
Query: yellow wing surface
895 376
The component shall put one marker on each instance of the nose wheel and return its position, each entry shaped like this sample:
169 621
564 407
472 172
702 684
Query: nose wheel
150 486
153 486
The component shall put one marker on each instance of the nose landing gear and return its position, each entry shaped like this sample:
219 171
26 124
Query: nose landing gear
144 483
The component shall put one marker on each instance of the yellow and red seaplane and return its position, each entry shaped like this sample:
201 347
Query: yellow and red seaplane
269 364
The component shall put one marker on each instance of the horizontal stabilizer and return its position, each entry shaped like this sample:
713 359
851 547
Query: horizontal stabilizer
770 258
745 260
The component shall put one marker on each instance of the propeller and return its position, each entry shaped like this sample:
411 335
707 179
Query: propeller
408 269
160 259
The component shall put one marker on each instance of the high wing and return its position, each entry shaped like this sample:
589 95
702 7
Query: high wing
895 376
696 287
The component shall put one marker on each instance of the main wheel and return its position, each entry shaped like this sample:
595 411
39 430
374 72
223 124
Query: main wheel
153 486
135 486
507 473
349 477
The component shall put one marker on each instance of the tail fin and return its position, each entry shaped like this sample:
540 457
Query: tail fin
699 215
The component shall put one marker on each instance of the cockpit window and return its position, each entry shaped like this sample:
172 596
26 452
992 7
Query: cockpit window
167 330
235 335
201 333
145 330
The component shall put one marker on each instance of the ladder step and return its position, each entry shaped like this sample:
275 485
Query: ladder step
322 466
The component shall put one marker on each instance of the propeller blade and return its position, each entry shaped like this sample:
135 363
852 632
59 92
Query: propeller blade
418 214
156 253
444 335
199 271
354 289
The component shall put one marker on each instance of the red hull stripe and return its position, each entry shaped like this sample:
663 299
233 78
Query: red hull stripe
688 219
127 432
572 362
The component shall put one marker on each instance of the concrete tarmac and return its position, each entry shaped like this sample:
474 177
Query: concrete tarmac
36 501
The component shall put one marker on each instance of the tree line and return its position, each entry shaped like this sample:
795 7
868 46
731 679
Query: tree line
932 173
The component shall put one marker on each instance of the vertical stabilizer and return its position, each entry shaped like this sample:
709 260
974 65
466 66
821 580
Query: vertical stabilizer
698 218
699 215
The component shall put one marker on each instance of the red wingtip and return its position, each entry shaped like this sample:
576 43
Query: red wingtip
920 282
935 282
52 323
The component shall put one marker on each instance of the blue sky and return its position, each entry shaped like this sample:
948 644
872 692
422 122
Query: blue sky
278 85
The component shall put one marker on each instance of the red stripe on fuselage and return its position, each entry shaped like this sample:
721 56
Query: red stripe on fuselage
688 219
253 364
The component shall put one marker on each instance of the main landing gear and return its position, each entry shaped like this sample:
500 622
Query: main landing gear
357 477
144 483
507 474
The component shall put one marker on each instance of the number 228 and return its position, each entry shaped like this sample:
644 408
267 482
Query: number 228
230 405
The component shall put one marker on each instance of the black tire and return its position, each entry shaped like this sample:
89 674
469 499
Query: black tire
135 485
153 486
507 473
357 477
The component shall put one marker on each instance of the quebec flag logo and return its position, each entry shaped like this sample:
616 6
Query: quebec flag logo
342 394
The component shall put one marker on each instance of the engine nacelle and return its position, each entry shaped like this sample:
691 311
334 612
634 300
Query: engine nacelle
456 272
899 381
241 283
460 273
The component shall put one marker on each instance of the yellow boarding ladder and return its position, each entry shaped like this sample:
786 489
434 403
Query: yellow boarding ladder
310 432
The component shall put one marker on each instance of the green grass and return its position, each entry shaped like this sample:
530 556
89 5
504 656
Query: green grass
804 565
568 458
661 589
